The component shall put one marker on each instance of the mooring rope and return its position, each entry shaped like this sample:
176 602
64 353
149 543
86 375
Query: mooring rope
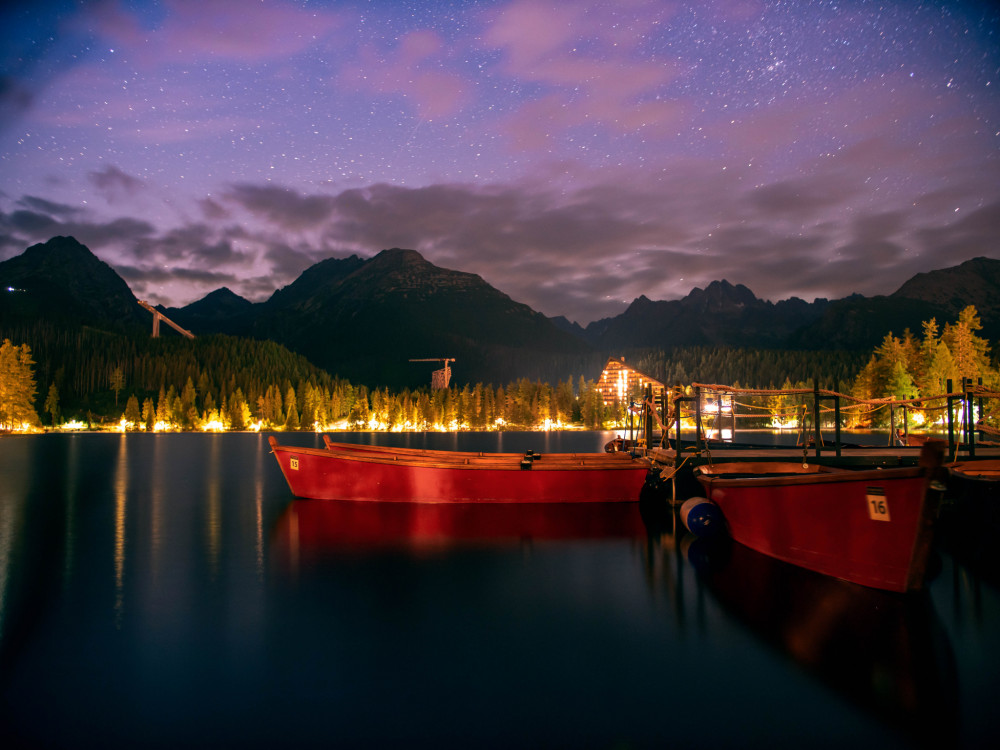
857 407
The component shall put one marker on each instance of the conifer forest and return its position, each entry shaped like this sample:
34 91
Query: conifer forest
52 375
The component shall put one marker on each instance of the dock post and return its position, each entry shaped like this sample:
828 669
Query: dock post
817 427
677 420
980 400
647 410
892 425
970 416
677 400
732 412
697 418
836 414
950 401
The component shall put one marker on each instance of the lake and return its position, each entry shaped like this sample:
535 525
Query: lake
167 590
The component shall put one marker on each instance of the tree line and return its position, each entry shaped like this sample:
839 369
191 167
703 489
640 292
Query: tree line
939 362
226 382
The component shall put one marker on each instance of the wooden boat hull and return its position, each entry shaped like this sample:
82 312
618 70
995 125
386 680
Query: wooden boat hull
869 527
427 477
984 470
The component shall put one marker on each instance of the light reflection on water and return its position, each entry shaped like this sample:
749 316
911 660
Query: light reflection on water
167 588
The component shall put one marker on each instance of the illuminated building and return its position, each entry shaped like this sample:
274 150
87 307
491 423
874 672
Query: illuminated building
618 381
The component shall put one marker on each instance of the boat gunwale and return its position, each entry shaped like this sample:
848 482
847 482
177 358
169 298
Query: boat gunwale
966 469
598 462
824 475
446 455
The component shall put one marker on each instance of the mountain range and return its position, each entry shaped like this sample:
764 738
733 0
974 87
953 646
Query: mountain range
365 319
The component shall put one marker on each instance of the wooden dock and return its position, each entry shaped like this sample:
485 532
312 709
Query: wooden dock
677 470
966 425
865 457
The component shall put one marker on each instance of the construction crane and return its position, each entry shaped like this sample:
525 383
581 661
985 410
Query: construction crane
158 316
439 378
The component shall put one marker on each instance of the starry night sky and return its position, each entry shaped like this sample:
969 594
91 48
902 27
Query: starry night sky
576 155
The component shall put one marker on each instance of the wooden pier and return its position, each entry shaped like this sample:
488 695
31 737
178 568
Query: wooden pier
964 428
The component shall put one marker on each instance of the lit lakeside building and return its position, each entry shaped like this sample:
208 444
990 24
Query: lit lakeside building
619 381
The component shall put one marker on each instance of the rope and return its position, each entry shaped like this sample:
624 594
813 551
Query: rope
987 429
677 468
864 406
978 391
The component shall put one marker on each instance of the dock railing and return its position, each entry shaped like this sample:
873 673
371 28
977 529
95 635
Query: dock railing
969 416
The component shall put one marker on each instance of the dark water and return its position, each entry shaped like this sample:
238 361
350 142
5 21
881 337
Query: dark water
166 590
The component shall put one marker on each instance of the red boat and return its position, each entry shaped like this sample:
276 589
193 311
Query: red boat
984 470
872 527
341 472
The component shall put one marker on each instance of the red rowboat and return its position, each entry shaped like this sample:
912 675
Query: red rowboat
426 476
872 527
986 470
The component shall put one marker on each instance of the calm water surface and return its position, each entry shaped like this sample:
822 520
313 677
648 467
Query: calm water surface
167 590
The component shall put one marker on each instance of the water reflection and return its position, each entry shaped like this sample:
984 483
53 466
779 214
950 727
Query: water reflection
587 625
887 653
156 530
69 540
121 506
213 505
13 499
259 505
316 528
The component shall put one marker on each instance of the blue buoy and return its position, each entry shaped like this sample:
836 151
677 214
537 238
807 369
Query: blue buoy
702 517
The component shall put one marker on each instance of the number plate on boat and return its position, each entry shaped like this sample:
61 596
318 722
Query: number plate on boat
293 463
878 508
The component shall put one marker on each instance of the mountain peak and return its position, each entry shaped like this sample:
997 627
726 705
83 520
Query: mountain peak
720 296
952 288
400 256
59 249
223 297
64 271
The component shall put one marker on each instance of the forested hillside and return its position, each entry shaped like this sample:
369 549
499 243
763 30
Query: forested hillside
750 368
93 358
94 371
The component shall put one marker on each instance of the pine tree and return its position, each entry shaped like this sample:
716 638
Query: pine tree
149 413
970 352
238 412
52 404
162 406
17 387
117 381
899 384
292 417
188 395
132 413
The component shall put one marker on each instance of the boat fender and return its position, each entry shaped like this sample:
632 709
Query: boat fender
702 517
